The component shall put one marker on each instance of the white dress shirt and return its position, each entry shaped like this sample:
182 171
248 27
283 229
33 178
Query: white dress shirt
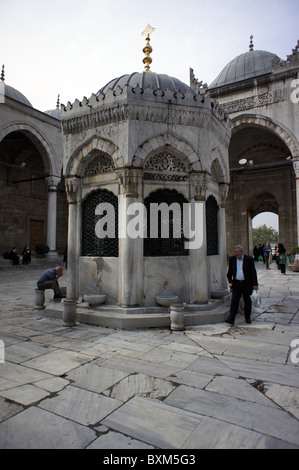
239 273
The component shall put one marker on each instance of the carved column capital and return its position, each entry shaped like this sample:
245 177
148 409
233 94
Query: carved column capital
199 184
72 187
53 182
130 180
296 166
223 192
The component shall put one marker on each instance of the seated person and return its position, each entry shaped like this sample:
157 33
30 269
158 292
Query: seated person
14 256
26 253
49 280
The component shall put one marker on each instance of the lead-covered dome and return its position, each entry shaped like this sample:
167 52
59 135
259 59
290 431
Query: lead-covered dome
142 80
245 66
14 94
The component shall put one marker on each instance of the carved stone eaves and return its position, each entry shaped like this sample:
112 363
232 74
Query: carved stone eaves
73 188
199 183
130 180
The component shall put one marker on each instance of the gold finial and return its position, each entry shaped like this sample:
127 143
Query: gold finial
148 48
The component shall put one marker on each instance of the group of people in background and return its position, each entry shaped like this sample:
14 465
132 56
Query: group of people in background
264 253
15 256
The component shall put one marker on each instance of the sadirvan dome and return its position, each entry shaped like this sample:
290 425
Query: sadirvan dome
245 66
143 80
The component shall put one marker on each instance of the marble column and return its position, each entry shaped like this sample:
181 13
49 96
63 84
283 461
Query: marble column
130 292
223 192
52 182
296 169
199 278
72 185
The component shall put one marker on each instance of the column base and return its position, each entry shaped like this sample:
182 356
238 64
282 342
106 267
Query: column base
69 312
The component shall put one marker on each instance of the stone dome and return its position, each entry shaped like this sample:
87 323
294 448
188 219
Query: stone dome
14 94
144 80
245 66
55 113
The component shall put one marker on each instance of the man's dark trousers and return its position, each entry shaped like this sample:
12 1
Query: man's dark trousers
239 288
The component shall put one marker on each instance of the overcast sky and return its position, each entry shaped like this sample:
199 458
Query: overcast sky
74 47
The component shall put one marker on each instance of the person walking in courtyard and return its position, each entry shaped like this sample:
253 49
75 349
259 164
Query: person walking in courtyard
242 277
282 258
267 251
49 280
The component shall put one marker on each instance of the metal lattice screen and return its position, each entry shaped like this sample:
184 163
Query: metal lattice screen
212 226
92 245
170 246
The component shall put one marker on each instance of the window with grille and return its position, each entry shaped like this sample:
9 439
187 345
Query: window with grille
92 244
172 224
212 226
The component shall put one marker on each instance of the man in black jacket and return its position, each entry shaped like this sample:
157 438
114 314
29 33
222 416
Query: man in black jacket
242 277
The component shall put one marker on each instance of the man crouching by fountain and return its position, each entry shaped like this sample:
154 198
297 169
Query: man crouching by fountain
242 277
49 280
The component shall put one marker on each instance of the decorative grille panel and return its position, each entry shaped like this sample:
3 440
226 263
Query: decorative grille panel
100 164
165 167
170 246
91 244
212 226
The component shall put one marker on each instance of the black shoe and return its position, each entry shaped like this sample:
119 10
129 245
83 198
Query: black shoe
229 321
248 320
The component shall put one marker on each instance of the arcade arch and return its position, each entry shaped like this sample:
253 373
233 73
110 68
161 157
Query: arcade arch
261 179
27 165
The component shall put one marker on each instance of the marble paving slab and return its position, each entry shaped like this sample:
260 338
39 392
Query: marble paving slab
24 394
116 440
20 374
215 434
243 349
273 373
153 422
81 406
238 388
58 362
253 416
284 396
47 431
131 365
95 378
8 409
212 366
21 352
140 384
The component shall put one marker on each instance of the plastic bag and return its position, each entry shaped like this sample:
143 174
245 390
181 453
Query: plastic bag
256 298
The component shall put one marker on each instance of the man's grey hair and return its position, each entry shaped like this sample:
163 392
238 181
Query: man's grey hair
240 247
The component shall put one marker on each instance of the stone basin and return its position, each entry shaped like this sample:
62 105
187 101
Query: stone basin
166 300
94 299
219 293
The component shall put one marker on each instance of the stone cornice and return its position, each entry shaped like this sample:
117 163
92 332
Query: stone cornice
256 101
79 120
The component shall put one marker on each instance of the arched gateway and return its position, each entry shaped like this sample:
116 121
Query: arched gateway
258 91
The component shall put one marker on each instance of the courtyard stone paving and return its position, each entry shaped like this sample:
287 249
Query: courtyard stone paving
209 386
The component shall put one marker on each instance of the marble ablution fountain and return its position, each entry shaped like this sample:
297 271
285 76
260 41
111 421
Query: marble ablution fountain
144 158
